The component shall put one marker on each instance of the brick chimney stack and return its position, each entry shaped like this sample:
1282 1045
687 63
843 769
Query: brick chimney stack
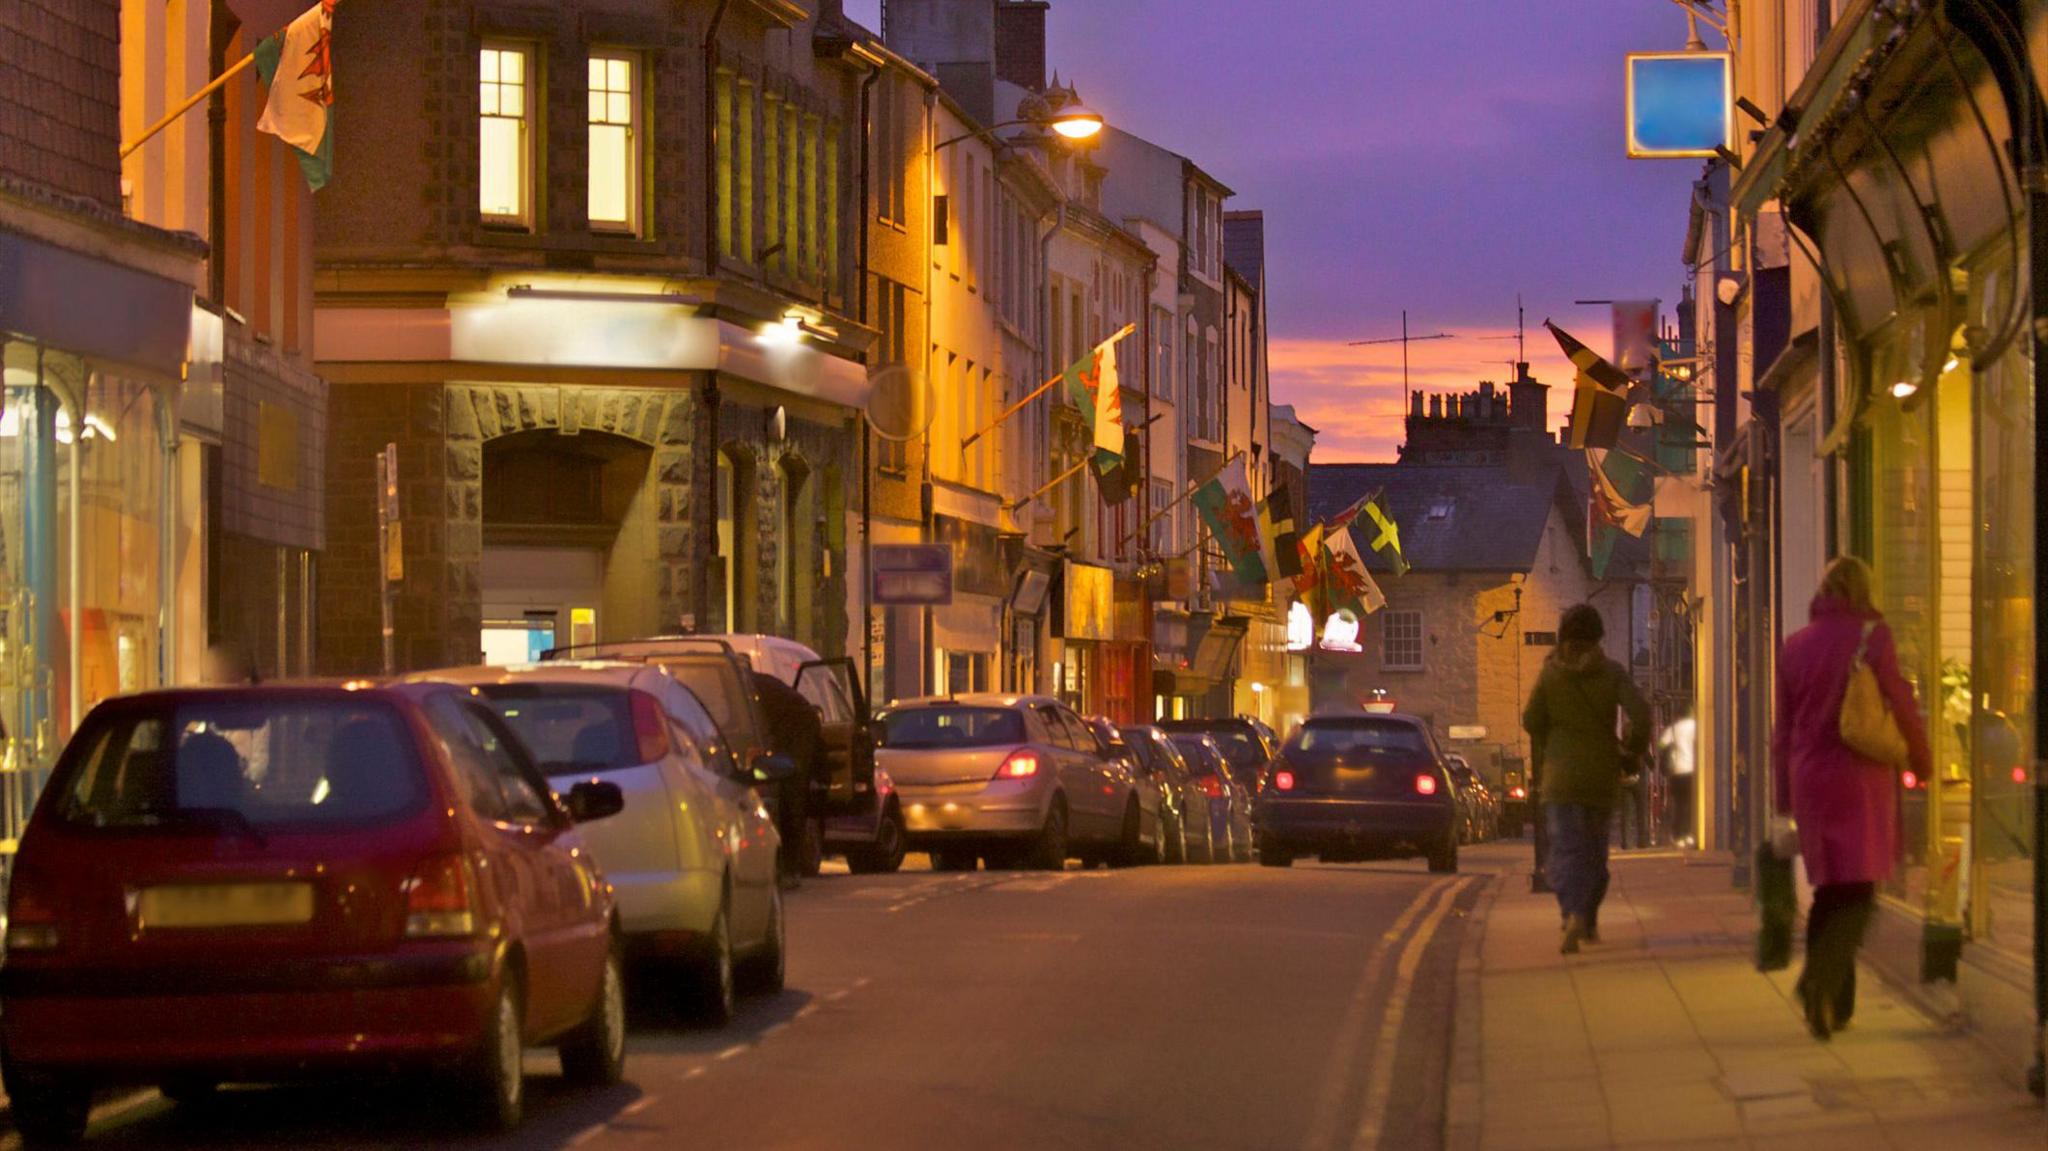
1020 42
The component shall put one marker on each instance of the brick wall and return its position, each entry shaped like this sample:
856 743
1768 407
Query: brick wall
60 95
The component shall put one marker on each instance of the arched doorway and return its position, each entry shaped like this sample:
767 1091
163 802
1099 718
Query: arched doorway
570 542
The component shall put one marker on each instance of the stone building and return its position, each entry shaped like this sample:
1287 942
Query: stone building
592 268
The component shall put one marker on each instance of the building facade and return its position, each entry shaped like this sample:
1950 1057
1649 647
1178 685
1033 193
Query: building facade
1861 325
609 318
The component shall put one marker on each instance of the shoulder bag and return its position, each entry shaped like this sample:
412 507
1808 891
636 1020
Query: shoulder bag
1868 726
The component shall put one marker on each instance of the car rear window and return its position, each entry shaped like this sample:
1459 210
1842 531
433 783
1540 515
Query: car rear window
1235 740
1193 751
933 727
243 763
718 688
1357 756
568 728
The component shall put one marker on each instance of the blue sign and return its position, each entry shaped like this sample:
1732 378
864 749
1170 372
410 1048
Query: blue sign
1680 104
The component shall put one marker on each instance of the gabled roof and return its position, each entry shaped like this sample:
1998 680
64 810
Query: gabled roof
1452 518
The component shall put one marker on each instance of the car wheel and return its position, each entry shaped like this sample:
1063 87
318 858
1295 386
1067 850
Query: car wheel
1049 850
765 971
1130 844
1444 857
953 859
885 855
715 995
594 1055
1173 838
495 1083
1270 856
49 1110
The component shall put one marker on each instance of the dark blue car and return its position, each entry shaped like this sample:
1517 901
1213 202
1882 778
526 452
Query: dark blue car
1356 786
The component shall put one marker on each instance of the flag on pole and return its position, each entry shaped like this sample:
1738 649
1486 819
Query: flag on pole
1308 581
298 66
1599 395
1226 505
1280 543
1624 486
1386 534
1092 385
1347 583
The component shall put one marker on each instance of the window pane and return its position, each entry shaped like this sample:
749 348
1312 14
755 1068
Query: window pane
619 108
597 100
511 66
501 188
610 192
597 74
621 75
489 66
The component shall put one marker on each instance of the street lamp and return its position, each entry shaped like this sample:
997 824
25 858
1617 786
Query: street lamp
1074 122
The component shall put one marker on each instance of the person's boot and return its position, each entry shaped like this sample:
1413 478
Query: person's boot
1574 932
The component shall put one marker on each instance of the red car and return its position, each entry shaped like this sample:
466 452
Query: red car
270 883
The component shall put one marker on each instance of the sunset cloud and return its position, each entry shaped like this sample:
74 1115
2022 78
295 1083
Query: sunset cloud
1352 395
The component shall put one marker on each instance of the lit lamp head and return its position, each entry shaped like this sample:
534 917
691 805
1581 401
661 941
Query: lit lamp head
1076 122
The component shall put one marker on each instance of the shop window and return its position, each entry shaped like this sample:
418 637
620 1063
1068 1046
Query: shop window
505 135
738 536
615 142
1401 641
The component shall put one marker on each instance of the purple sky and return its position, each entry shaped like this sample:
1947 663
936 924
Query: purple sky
1438 157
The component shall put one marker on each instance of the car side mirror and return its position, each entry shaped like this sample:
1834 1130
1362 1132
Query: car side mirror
593 799
774 769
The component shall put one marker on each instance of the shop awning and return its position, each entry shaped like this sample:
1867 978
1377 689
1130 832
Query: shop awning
1216 658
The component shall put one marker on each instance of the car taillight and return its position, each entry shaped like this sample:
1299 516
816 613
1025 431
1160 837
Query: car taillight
1020 765
1211 786
1283 781
1518 793
1425 785
648 728
31 920
437 903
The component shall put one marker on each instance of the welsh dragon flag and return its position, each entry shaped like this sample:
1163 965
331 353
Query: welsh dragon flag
1092 385
1226 505
298 66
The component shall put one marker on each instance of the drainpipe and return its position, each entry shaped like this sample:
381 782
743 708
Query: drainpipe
707 418
926 647
867 434
167 540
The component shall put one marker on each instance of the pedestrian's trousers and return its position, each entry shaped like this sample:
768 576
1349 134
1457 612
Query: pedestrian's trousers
1577 867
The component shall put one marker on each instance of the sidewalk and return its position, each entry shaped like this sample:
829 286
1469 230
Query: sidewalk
1665 1036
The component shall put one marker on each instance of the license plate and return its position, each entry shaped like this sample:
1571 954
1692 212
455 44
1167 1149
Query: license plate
225 905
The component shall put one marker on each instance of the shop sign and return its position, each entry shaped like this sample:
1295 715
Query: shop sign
913 575
1090 603
978 567
1340 633
1680 104
63 299
1301 627
1467 732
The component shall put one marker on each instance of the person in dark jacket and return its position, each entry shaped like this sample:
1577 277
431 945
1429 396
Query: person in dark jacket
1571 719
794 730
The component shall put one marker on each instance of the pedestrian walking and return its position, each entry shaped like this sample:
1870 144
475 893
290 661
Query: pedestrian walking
1676 750
794 730
1843 803
1573 717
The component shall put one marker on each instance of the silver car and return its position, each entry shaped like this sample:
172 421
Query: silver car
692 855
1192 831
1013 780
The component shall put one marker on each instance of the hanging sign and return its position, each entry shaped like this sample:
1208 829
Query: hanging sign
1680 104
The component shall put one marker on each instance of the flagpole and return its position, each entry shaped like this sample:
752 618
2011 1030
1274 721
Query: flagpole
1056 481
1148 521
190 103
1043 388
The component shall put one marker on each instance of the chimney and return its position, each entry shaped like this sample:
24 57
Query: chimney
1531 400
1436 407
955 41
1020 43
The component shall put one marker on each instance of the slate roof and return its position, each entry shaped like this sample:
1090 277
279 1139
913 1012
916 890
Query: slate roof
1452 518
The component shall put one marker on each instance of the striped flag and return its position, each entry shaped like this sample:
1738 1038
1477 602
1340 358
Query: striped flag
1599 395
1281 544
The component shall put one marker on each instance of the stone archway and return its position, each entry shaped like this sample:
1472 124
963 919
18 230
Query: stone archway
656 539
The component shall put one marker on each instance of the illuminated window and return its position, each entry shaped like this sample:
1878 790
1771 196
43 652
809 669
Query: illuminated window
1401 641
614 143
505 136
725 145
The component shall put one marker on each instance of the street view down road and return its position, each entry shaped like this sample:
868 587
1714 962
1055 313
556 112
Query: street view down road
1218 1007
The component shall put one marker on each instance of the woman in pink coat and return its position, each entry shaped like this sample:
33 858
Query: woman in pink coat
1846 806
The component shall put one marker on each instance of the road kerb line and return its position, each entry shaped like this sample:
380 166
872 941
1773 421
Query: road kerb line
1380 1086
1336 1087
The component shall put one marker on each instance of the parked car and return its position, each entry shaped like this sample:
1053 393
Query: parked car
268 883
1359 786
1230 804
692 856
1188 829
1149 788
1479 819
855 807
1244 746
1007 779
